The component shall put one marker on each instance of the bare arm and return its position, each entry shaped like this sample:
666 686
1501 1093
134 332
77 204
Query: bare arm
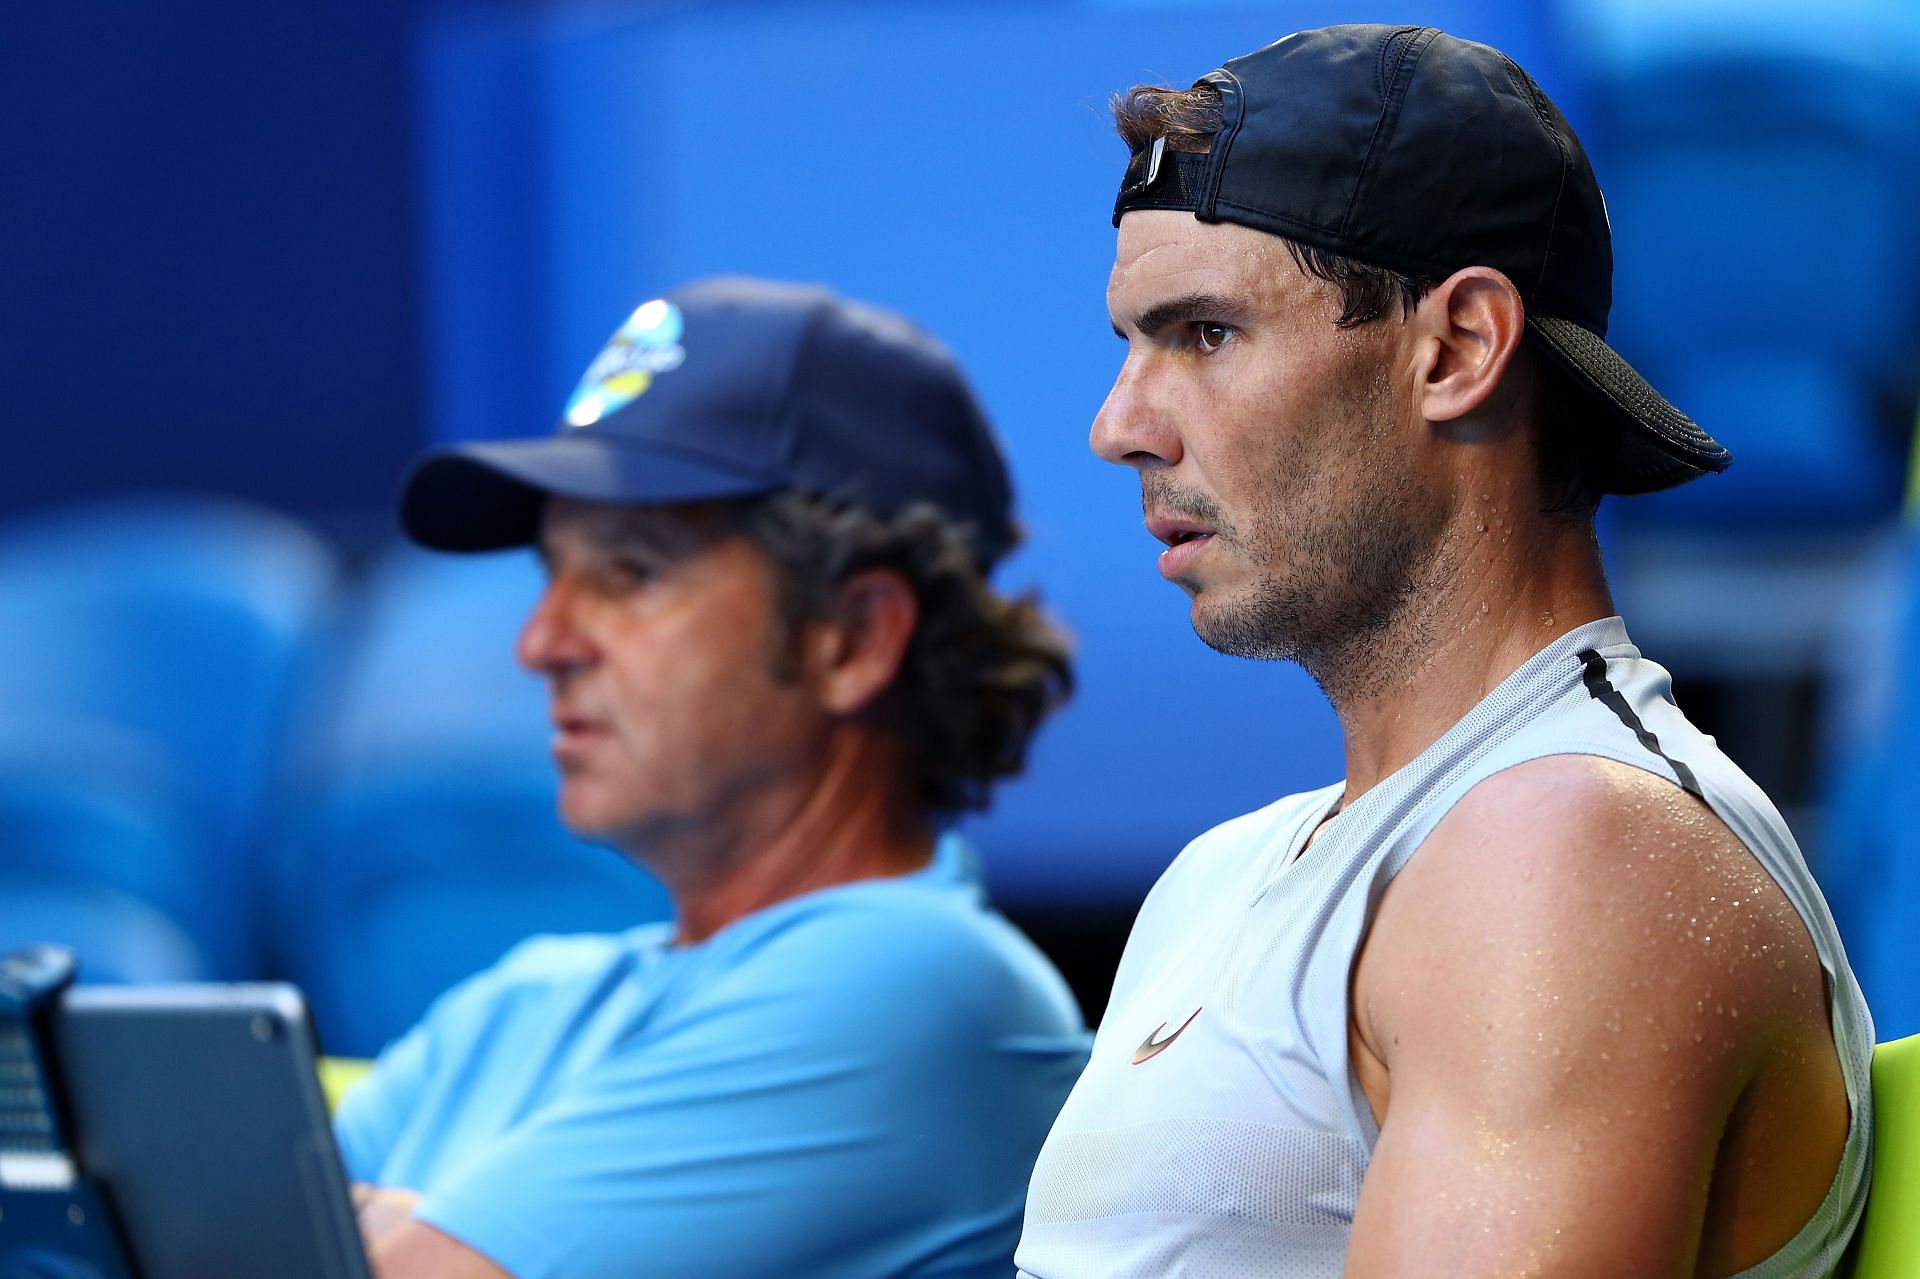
401 1247
1573 989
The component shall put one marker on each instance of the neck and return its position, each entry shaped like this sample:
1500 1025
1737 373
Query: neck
1500 590
841 820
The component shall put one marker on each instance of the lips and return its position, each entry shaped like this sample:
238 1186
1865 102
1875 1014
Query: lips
572 733
1176 532
1186 541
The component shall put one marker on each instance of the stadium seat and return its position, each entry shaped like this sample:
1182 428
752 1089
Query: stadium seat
97 802
428 665
1888 1246
1724 147
426 842
118 937
1870 864
98 852
183 625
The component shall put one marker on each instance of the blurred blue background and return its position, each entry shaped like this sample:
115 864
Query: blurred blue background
257 256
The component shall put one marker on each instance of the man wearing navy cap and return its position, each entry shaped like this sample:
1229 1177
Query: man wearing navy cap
776 670
1543 987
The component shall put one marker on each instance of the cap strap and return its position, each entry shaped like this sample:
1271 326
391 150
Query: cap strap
1158 177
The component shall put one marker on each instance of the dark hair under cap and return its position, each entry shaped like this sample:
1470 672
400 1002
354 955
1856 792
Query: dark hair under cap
1410 149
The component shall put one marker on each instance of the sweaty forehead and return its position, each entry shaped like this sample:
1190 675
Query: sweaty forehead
1162 253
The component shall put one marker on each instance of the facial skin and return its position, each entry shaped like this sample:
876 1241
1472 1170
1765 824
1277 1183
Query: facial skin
658 636
741 760
1289 444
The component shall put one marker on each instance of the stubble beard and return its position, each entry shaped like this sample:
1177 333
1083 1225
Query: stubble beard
1364 564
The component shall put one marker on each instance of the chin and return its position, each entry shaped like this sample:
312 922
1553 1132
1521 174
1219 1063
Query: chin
616 820
592 819
1242 631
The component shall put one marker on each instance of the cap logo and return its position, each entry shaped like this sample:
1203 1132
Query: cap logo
1154 157
647 345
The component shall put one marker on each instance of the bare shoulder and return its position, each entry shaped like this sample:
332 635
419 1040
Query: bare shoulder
1565 891
1588 807
1614 848
1585 999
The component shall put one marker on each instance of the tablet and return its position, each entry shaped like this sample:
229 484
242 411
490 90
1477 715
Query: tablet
198 1109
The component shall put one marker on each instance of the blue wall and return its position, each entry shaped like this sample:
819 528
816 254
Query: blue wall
210 263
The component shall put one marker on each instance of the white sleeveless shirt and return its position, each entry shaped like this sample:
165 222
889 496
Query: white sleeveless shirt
1241 1152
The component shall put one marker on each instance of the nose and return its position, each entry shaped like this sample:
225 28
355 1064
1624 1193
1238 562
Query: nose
1131 429
551 641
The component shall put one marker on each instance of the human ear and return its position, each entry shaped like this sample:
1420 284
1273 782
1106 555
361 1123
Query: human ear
876 619
1472 323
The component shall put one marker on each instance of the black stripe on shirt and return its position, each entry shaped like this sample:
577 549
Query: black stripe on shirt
1602 690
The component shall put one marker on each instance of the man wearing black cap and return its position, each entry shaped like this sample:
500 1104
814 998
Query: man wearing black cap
776 670
1543 986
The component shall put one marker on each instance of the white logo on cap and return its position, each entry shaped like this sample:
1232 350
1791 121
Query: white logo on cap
647 345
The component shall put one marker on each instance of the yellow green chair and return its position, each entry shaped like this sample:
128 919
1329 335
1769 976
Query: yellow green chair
1913 475
1889 1242
338 1074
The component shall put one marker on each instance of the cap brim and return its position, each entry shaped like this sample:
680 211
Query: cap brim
488 496
1659 446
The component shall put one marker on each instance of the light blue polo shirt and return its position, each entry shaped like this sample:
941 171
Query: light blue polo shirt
854 1082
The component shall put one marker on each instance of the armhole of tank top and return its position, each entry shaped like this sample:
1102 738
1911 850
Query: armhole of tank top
1496 763
1850 1030
1852 1033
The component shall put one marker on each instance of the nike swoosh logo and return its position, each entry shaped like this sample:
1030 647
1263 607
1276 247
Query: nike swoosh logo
1151 1047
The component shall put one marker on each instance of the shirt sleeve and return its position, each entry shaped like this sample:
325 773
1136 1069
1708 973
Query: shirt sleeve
374 1112
836 1106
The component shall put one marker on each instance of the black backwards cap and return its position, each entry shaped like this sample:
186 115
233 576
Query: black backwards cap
1410 149
734 388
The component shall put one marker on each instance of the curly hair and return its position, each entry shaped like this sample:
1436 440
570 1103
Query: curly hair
982 669
1571 449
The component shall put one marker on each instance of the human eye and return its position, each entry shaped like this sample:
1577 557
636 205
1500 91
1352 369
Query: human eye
1210 337
624 575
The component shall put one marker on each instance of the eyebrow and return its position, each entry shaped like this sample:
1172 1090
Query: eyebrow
1187 309
605 535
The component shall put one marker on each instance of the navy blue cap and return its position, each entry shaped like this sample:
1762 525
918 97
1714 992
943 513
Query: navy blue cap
1411 149
733 388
